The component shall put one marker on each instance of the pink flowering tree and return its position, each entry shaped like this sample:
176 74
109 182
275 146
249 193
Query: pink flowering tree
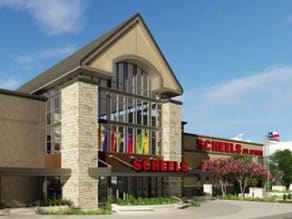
246 172
221 170
228 169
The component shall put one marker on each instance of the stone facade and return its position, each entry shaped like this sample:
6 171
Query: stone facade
171 131
171 143
79 143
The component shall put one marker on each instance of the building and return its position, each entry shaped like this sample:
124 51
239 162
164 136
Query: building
272 146
201 147
103 122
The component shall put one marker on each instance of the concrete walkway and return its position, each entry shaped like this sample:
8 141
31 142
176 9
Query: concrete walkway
219 209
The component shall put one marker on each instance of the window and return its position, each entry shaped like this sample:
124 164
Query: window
131 79
129 139
129 118
53 124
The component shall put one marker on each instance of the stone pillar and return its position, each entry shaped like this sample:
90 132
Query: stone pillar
79 143
171 143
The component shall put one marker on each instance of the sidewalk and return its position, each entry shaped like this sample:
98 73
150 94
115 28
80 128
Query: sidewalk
219 209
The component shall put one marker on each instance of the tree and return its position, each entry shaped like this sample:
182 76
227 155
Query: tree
277 174
246 157
220 169
242 170
246 172
281 161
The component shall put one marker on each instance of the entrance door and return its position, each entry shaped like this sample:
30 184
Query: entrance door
123 187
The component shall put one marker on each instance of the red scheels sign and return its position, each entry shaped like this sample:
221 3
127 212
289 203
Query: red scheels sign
149 165
225 147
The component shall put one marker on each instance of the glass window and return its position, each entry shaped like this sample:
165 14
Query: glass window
102 104
131 79
49 115
53 123
131 120
103 137
57 110
57 138
121 76
139 79
49 141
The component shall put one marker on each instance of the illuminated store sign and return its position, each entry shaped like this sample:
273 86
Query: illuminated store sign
225 147
148 165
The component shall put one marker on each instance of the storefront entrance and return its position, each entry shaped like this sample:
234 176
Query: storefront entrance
123 187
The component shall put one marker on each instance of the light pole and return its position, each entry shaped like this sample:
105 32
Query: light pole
266 164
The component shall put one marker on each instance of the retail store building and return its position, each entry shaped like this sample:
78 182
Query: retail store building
101 123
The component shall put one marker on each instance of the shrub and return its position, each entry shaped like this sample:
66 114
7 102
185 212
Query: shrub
53 202
2 205
73 211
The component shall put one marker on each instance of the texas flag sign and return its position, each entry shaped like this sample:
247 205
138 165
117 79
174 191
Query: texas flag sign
274 136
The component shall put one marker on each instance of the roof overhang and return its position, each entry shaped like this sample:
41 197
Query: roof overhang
127 171
28 171
73 74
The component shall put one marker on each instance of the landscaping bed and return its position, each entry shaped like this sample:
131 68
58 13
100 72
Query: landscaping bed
128 205
150 204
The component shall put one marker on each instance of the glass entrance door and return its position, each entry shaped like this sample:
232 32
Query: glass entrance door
123 187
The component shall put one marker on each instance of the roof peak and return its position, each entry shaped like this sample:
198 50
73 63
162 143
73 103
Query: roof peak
81 57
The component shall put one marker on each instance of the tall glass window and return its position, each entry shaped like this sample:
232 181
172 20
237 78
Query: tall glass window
129 118
132 79
53 124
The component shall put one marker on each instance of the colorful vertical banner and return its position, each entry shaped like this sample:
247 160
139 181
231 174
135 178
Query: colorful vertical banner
146 142
118 142
129 144
113 141
105 143
138 140
141 142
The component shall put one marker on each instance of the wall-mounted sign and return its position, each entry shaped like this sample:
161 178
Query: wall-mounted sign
225 147
148 165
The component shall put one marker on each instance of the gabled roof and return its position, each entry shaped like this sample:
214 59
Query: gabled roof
76 59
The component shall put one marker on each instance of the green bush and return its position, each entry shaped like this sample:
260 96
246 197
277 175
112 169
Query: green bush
73 211
2 205
53 202
235 197
76 211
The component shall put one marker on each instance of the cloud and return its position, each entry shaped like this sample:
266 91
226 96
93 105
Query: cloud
53 16
265 84
286 21
29 61
10 83
24 67
254 104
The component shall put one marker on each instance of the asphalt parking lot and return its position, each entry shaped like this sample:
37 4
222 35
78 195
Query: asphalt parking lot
218 209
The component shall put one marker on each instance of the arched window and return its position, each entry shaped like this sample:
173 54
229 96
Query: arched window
132 79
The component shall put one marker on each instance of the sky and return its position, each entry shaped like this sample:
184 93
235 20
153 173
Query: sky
233 58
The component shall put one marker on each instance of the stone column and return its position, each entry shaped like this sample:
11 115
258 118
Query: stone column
79 143
171 143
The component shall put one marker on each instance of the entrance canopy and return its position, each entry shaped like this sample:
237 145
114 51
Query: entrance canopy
27 171
128 171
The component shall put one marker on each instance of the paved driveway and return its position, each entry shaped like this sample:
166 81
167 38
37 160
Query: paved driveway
211 210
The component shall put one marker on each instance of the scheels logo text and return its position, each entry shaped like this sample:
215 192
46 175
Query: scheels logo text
227 147
148 165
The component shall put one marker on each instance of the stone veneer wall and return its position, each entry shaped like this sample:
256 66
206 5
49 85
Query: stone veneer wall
79 143
171 143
